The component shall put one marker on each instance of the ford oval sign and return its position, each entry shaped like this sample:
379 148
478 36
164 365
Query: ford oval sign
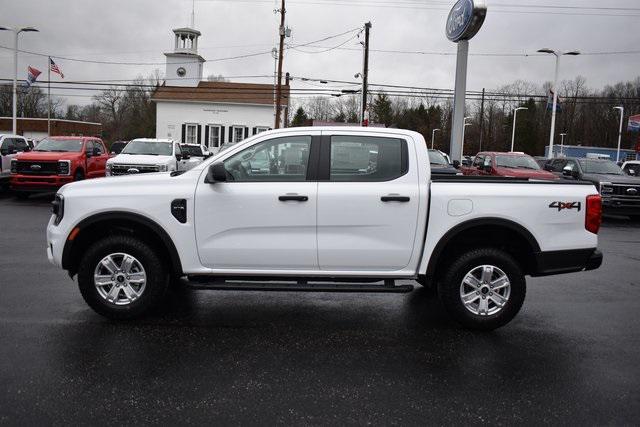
465 19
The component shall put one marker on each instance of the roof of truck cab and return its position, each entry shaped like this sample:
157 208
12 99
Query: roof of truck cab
342 129
503 153
152 140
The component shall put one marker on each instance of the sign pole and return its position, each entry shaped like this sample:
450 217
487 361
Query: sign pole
455 149
464 21
49 97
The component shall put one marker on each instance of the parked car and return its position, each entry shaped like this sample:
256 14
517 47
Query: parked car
317 216
440 165
197 153
620 192
514 165
117 147
631 167
57 161
145 155
10 146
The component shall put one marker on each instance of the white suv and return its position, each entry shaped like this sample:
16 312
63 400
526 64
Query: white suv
10 146
148 155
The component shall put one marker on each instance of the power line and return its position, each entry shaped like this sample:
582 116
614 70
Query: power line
248 55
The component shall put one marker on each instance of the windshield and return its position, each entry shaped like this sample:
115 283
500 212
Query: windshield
193 150
605 167
517 162
152 148
60 145
435 158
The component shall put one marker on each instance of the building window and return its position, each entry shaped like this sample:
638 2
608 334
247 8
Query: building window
260 129
215 136
238 133
191 133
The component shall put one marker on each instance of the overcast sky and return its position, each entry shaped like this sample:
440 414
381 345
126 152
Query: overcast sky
140 31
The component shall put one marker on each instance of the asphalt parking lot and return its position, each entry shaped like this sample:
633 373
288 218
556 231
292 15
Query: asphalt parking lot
572 356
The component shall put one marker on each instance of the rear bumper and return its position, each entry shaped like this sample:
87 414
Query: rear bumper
39 183
570 261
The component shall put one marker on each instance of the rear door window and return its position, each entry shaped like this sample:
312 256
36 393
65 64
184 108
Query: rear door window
365 158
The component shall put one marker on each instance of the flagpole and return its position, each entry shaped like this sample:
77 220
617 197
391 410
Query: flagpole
49 97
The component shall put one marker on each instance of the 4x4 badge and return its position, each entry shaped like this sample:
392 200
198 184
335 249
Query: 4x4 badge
566 205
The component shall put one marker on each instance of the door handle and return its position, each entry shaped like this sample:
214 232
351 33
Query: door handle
401 199
293 198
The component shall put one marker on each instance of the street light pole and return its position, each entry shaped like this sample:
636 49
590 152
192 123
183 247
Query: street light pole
16 32
464 128
562 135
619 131
433 134
513 134
557 54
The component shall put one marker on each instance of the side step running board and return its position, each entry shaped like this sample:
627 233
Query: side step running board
388 287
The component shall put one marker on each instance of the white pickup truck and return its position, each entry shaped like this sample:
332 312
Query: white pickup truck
323 209
145 155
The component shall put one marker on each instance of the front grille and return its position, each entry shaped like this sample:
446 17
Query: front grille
37 168
626 190
131 169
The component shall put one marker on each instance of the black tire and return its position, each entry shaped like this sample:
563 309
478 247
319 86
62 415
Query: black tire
78 176
449 288
157 277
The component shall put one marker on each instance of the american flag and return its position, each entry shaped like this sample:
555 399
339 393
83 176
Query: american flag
54 67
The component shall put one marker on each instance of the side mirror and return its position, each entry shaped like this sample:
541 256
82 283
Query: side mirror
216 173
186 156
456 164
178 157
568 171
96 151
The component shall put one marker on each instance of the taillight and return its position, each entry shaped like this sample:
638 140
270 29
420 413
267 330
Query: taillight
593 217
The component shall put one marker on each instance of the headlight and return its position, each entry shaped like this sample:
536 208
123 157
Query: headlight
107 169
14 166
64 167
606 188
163 168
57 208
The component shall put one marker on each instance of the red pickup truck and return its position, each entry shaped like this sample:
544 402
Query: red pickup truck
515 165
56 161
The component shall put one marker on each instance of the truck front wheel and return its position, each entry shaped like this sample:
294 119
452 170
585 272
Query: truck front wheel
483 289
122 277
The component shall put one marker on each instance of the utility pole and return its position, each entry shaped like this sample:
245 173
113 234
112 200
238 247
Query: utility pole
365 73
481 120
280 59
287 78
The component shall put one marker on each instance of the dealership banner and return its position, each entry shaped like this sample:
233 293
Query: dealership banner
634 123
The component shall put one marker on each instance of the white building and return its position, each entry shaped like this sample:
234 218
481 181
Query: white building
194 111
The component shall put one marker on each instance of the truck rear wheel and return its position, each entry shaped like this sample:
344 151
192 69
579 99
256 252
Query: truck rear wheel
121 277
483 289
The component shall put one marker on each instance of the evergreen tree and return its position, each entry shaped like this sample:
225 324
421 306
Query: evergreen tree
300 118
